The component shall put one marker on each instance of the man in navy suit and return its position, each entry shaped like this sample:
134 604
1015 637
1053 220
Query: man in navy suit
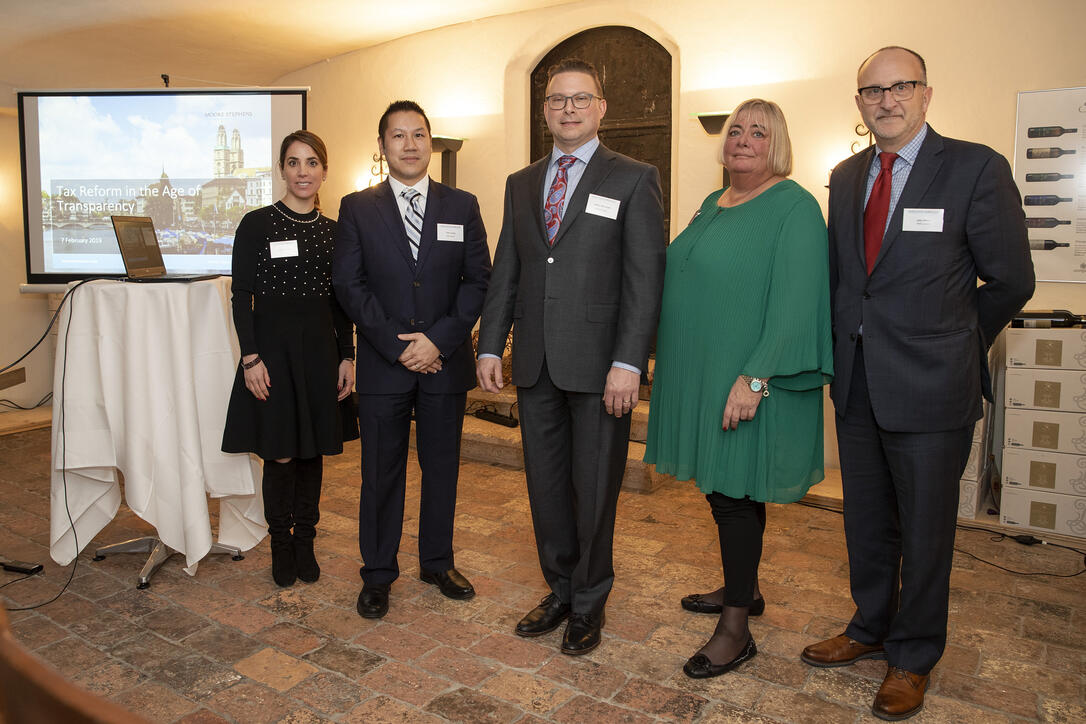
411 270
914 221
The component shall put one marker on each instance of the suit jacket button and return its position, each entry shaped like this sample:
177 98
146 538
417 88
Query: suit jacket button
852 338
866 295
416 284
550 259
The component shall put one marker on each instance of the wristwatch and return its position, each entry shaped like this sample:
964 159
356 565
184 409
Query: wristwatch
757 384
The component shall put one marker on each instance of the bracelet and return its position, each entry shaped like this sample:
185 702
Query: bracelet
250 365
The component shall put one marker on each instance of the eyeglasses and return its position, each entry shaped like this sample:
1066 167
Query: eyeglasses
900 91
557 102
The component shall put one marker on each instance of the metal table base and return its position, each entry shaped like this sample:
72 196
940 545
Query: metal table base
160 553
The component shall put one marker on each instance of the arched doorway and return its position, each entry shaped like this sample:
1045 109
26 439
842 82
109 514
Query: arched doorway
636 75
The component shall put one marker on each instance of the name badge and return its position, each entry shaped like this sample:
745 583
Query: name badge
602 206
922 220
281 249
450 232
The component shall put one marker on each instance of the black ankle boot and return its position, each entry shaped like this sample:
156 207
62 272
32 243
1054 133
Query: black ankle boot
307 495
278 488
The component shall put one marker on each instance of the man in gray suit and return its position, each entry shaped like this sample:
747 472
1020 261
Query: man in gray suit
913 223
578 274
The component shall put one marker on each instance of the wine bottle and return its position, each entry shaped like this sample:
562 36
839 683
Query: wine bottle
1031 177
1043 199
1047 318
1051 152
1046 244
1045 222
1048 131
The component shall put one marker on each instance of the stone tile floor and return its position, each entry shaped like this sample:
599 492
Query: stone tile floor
228 645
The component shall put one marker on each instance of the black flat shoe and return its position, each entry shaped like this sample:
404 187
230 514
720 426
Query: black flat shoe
544 618
373 600
700 667
696 602
583 633
451 582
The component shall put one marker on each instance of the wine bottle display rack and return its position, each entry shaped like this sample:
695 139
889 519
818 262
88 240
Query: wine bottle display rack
1050 172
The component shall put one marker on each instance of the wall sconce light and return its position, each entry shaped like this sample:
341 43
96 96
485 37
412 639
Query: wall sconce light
856 146
862 131
447 146
713 122
378 171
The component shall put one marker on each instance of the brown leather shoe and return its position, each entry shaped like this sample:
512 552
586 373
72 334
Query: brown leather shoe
901 695
840 651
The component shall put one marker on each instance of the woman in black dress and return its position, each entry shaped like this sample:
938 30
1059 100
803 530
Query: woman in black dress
297 355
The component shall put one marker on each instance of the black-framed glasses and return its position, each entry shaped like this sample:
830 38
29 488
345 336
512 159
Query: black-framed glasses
901 91
557 102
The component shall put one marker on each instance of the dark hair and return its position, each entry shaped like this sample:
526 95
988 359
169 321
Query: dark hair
308 138
576 65
400 107
923 65
313 141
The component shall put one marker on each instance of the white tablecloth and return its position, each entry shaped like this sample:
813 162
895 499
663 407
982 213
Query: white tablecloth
141 384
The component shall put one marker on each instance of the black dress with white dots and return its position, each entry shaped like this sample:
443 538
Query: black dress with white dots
286 312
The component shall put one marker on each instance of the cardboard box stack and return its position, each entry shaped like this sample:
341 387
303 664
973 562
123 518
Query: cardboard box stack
1044 431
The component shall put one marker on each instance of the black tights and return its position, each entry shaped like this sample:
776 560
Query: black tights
740 524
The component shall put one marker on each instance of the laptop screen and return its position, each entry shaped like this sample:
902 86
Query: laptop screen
139 246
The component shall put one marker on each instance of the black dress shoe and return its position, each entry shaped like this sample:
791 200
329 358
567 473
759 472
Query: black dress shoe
582 633
451 583
373 600
696 602
700 667
544 618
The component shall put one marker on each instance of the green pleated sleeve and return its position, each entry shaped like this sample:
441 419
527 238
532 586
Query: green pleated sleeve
795 348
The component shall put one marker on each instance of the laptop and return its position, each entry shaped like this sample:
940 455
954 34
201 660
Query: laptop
142 256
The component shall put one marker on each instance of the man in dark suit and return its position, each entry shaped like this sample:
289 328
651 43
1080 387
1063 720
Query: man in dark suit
578 274
913 222
411 269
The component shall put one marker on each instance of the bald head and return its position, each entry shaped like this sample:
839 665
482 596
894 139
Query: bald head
922 75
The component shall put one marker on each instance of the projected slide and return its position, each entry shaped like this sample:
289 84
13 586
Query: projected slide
195 163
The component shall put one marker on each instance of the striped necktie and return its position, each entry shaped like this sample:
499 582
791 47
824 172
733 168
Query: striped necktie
412 220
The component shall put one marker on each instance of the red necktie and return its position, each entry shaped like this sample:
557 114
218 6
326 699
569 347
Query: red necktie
878 206
552 209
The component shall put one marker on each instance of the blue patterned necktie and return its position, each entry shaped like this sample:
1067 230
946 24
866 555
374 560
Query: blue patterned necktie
412 220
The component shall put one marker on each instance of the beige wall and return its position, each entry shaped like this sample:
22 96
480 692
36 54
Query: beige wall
22 317
472 79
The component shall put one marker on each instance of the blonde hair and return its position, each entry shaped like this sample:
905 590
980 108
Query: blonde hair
780 145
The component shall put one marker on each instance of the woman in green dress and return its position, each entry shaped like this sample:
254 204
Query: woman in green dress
742 353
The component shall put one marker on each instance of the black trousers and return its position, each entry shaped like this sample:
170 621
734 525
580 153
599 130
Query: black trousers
385 427
900 511
740 525
574 459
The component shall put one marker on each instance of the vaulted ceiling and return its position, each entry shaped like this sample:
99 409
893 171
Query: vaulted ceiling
130 43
